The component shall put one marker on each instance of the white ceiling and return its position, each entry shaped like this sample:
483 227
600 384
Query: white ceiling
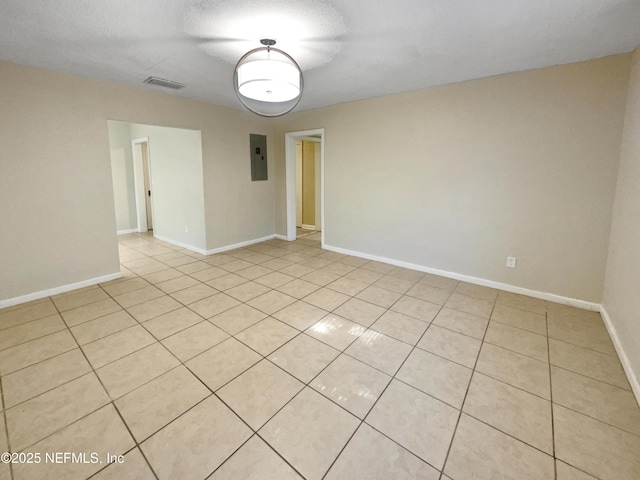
348 49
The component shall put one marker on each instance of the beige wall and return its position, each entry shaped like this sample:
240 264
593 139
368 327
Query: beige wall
455 178
308 183
122 176
57 220
461 176
623 269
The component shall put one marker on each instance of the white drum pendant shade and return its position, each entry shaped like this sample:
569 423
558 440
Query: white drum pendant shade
268 81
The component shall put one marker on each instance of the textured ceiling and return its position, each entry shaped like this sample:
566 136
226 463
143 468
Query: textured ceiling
348 49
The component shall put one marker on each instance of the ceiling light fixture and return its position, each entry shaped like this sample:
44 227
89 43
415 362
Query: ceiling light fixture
268 81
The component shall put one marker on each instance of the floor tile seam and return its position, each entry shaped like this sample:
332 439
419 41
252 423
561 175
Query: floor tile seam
361 421
145 383
265 357
484 341
60 312
57 430
413 387
499 380
138 323
514 326
493 301
512 350
309 383
142 324
611 355
617 428
27 304
402 446
173 309
123 280
305 385
35 338
50 389
427 325
40 361
568 462
433 322
112 403
139 303
185 288
582 375
112 333
4 329
228 381
154 432
123 356
553 427
6 428
120 309
545 335
446 358
464 399
592 378
254 434
517 307
440 307
511 435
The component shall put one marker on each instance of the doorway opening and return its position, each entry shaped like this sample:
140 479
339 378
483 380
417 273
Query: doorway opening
307 186
304 154
158 184
143 183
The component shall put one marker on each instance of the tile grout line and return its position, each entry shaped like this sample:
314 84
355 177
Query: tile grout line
393 377
111 401
553 432
466 393
6 426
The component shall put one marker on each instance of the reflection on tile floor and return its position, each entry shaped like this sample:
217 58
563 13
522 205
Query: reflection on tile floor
281 360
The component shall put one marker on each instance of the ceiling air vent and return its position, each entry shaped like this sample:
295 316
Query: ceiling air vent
161 82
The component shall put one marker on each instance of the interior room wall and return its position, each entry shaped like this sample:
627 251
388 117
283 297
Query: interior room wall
459 177
122 176
175 157
58 221
623 268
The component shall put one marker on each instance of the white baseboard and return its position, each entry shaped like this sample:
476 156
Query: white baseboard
241 244
281 237
308 227
180 244
626 364
124 232
574 302
57 290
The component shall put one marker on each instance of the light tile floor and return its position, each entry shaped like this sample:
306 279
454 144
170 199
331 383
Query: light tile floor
281 360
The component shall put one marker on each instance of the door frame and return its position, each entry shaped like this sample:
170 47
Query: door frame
138 182
290 169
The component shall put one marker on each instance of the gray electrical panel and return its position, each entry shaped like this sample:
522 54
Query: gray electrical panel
258 157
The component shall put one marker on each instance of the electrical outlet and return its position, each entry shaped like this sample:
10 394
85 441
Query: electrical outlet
186 229
511 262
